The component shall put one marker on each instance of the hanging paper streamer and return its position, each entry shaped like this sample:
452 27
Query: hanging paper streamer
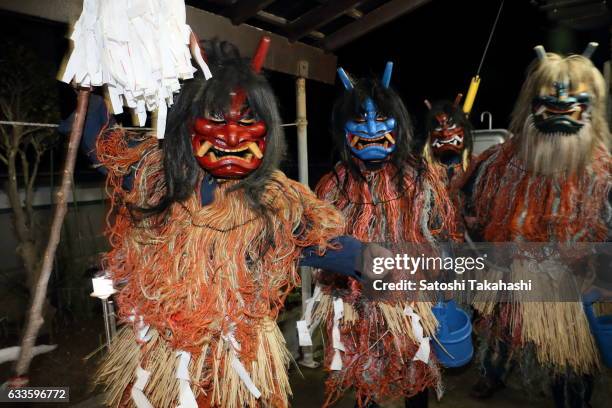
306 326
337 344
137 394
186 397
422 353
238 366
139 49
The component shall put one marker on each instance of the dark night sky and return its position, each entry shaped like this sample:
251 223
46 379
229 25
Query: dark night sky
436 50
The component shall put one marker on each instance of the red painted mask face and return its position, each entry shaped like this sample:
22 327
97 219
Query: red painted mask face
230 144
446 137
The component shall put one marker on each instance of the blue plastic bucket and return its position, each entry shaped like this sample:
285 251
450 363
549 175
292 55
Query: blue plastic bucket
454 335
601 327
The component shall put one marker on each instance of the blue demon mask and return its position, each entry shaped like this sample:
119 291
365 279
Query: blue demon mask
370 135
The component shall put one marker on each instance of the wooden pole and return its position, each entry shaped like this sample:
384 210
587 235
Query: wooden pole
302 135
35 315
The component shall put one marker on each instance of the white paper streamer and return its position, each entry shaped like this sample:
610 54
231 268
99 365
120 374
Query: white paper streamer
238 367
336 364
304 338
423 352
186 397
139 48
245 377
336 341
305 327
137 394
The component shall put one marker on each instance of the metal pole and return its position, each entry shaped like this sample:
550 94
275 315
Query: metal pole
107 329
112 319
302 136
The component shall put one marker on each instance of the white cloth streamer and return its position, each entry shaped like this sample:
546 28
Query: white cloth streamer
137 394
186 397
139 49
423 352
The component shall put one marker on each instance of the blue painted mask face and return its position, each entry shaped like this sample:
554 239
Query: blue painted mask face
371 136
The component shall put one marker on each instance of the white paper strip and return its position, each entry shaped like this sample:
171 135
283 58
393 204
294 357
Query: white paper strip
336 364
238 367
338 308
304 338
337 344
245 377
137 394
338 314
186 397
423 352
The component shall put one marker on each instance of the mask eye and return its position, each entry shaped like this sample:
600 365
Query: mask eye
381 118
438 129
583 97
246 121
216 117
360 119
453 126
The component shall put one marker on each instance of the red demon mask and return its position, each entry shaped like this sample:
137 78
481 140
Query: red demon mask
232 144
447 136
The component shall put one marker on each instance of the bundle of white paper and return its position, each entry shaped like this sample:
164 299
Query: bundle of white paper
138 48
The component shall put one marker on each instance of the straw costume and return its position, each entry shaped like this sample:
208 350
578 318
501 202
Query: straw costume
206 239
550 182
387 195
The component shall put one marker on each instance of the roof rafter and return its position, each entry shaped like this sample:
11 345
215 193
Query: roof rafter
318 17
370 21
242 10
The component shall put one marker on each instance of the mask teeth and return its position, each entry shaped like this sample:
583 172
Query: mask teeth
255 149
540 110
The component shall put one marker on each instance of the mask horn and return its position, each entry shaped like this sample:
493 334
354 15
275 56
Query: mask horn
427 103
457 100
346 81
260 54
386 78
540 52
590 49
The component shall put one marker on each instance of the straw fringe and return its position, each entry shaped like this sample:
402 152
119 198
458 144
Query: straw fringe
268 372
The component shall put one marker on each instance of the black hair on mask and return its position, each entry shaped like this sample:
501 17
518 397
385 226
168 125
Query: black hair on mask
230 72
